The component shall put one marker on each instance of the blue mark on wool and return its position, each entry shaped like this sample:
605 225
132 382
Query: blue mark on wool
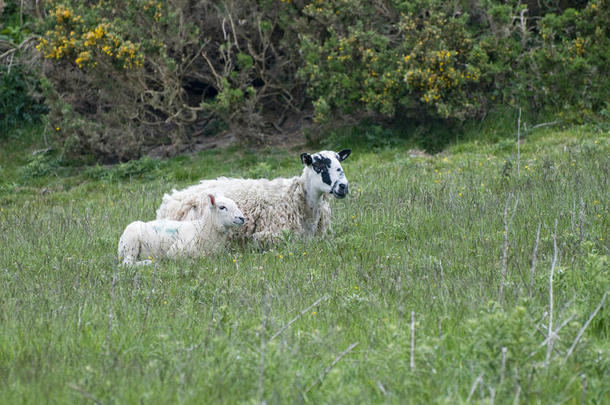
169 231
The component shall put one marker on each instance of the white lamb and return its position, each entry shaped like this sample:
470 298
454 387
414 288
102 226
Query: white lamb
166 238
298 204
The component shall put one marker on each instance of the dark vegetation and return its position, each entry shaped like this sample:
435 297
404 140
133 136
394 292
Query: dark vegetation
122 78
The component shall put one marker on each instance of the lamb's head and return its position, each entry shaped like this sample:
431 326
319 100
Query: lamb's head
225 211
324 172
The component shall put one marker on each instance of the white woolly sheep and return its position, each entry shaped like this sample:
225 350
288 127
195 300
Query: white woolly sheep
298 204
166 238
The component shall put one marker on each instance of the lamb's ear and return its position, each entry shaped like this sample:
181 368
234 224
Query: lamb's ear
306 159
212 199
344 154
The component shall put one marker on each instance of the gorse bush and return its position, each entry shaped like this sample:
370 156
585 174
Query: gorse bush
129 76
573 58
426 64
86 44
433 59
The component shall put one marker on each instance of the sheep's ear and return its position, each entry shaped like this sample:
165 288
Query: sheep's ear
344 154
212 199
306 159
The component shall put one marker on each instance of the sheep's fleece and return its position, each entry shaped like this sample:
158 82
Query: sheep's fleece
298 204
167 238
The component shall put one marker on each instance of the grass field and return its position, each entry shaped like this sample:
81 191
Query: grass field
440 283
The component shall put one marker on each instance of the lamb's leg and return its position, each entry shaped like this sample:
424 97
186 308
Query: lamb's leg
143 262
174 250
129 248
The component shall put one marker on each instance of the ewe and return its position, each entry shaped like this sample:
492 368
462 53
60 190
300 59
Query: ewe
165 238
297 204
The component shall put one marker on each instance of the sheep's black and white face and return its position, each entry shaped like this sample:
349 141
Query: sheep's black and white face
228 213
329 176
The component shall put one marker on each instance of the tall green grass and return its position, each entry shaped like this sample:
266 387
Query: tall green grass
423 297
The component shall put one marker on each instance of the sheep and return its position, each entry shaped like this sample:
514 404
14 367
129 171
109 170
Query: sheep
166 238
298 204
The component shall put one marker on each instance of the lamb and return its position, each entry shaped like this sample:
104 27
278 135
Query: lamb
166 238
298 204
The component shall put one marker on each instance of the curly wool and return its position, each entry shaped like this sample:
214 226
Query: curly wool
270 206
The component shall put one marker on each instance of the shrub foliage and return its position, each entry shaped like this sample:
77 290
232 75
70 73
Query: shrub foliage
128 76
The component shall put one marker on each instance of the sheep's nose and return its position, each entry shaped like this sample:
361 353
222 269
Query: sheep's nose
241 219
340 190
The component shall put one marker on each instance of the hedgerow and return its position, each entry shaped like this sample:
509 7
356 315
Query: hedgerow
131 76
125 77
433 59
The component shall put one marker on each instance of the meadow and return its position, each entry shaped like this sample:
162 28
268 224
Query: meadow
440 283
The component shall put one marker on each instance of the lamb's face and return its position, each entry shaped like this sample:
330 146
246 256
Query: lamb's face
229 215
327 173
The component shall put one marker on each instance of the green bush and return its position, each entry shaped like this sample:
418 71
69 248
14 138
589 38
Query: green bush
127 77
17 106
130 76
429 59
428 65
40 164
572 59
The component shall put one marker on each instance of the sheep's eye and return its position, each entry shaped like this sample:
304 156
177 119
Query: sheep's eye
222 207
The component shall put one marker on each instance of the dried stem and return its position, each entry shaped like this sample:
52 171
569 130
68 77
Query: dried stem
303 312
504 251
474 386
550 334
261 369
582 330
503 366
555 332
443 285
583 396
534 258
335 361
412 360
150 293
84 393
518 143
544 124
517 394
110 313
